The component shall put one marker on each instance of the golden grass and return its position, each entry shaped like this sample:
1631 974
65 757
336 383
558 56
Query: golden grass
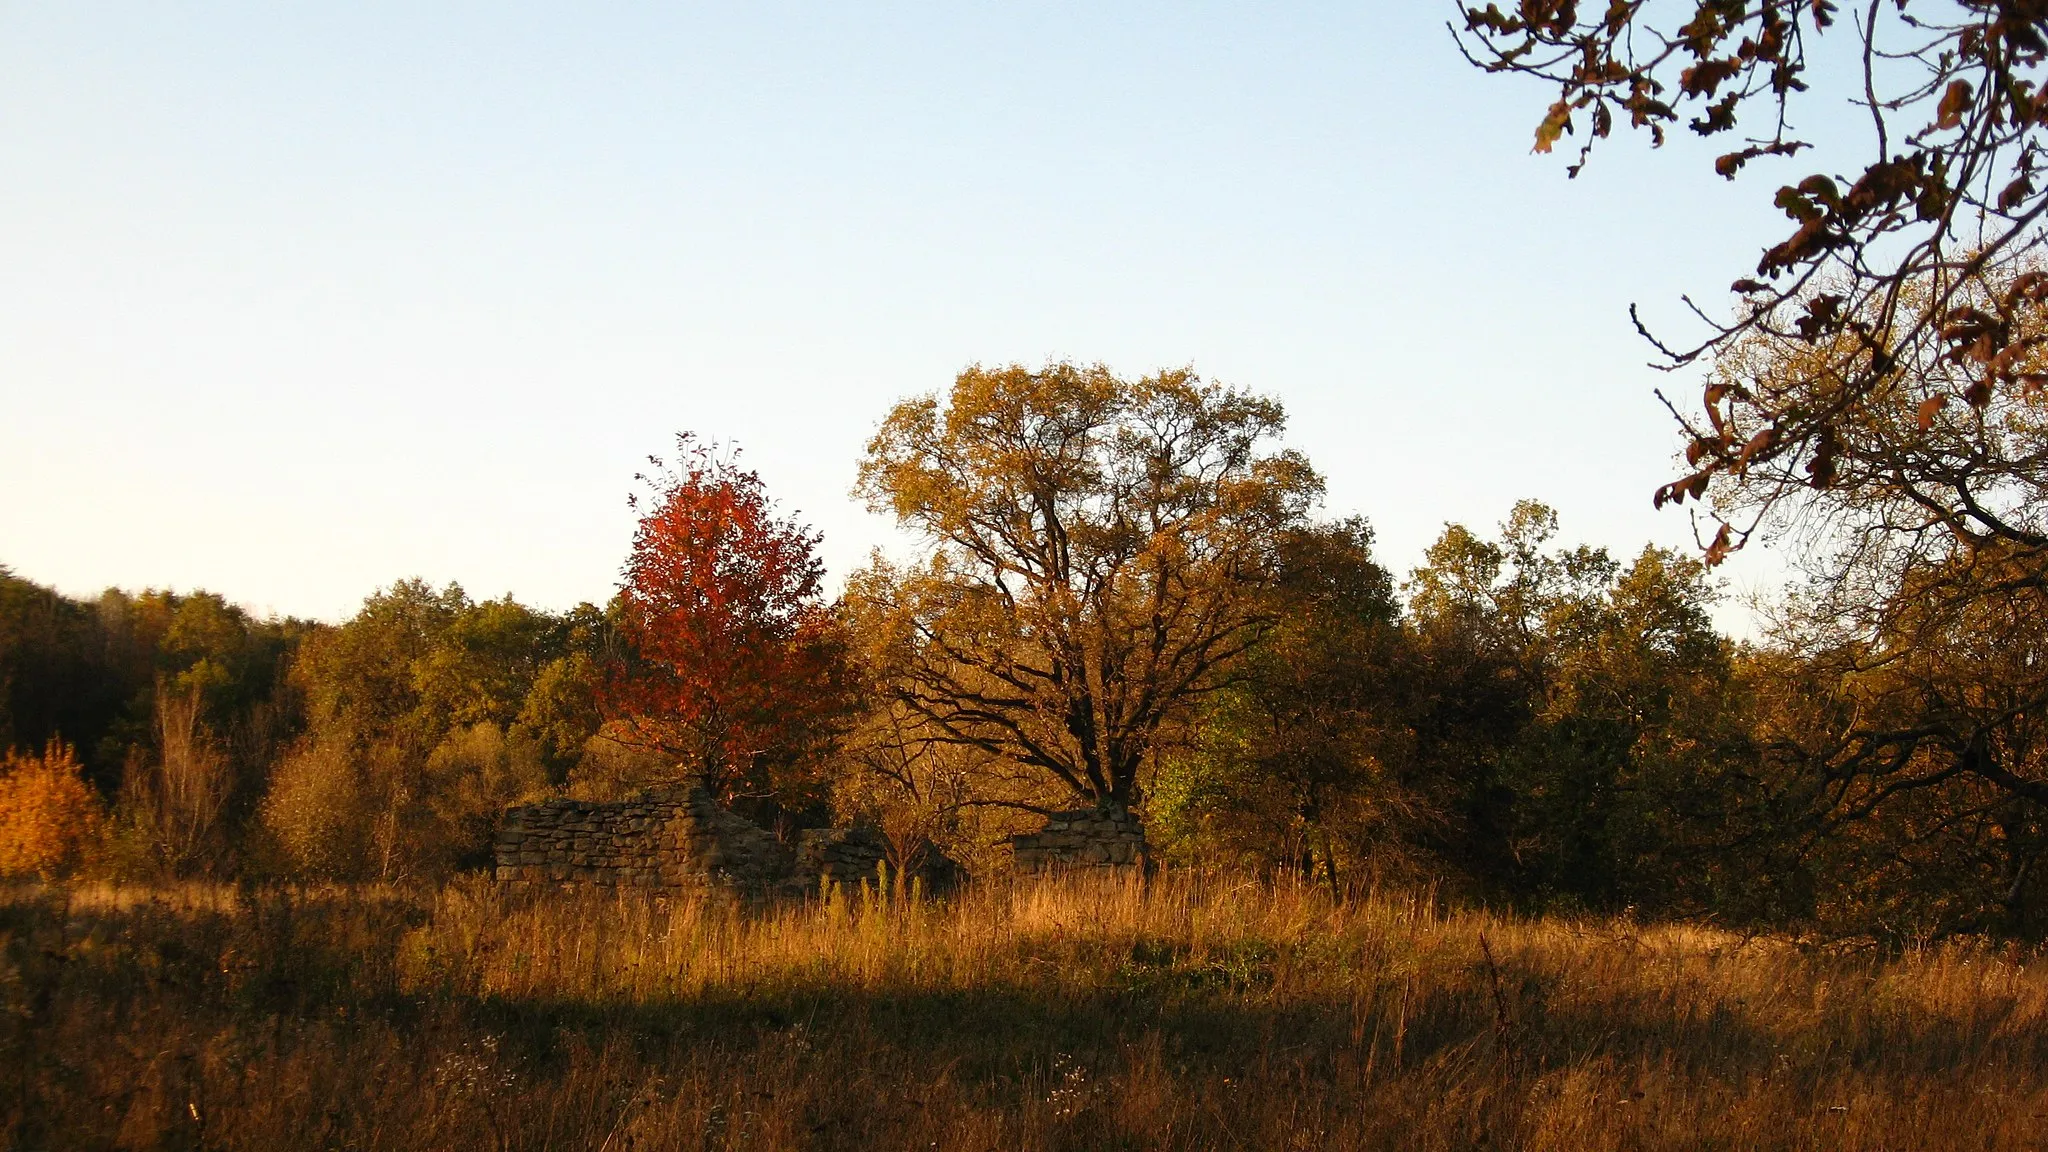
1188 1014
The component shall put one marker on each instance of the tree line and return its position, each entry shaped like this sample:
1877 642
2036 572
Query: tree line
1123 596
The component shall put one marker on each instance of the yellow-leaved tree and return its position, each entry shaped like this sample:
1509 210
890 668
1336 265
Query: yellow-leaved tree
50 818
1099 548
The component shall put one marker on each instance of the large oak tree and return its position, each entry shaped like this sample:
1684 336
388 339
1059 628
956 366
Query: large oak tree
1098 546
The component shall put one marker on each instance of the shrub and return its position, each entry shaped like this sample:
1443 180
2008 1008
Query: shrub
50 818
475 774
317 812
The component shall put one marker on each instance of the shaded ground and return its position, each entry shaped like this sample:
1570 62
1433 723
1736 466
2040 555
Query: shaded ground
1047 1016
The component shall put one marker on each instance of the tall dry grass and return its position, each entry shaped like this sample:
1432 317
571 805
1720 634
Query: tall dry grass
1187 1014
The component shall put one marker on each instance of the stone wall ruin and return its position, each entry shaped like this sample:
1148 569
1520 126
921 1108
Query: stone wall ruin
661 839
1089 838
683 838
854 856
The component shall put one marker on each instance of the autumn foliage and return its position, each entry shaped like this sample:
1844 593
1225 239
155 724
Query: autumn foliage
730 663
1877 270
49 816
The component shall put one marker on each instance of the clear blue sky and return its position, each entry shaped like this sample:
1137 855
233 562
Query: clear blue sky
296 300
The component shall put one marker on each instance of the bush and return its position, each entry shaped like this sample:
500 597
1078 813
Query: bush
612 769
475 774
317 813
50 818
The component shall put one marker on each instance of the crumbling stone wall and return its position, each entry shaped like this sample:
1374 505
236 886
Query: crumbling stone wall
685 839
843 855
663 839
849 856
1089 838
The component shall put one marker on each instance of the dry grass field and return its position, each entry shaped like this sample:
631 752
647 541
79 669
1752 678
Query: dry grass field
1189 1014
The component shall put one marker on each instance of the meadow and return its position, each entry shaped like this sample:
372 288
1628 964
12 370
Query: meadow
1187 1013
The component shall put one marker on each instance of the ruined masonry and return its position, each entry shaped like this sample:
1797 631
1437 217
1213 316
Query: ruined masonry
684 839
662 839
1089 838
849 856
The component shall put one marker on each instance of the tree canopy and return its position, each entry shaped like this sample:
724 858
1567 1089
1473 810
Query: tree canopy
730 661
1098 546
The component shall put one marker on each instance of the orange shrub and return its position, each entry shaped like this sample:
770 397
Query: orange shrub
49 816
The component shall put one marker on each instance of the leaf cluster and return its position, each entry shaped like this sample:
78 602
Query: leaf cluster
1878 265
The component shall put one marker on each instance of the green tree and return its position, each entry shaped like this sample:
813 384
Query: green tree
1580 725
56 681
1292 765
1632 775
418 705
1476 616
177 700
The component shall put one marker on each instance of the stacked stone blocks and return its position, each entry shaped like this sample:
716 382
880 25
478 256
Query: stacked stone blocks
855 855
841 855
666 839
685 839
1105 837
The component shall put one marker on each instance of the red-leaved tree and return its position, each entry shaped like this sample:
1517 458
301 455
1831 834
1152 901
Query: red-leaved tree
730 661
